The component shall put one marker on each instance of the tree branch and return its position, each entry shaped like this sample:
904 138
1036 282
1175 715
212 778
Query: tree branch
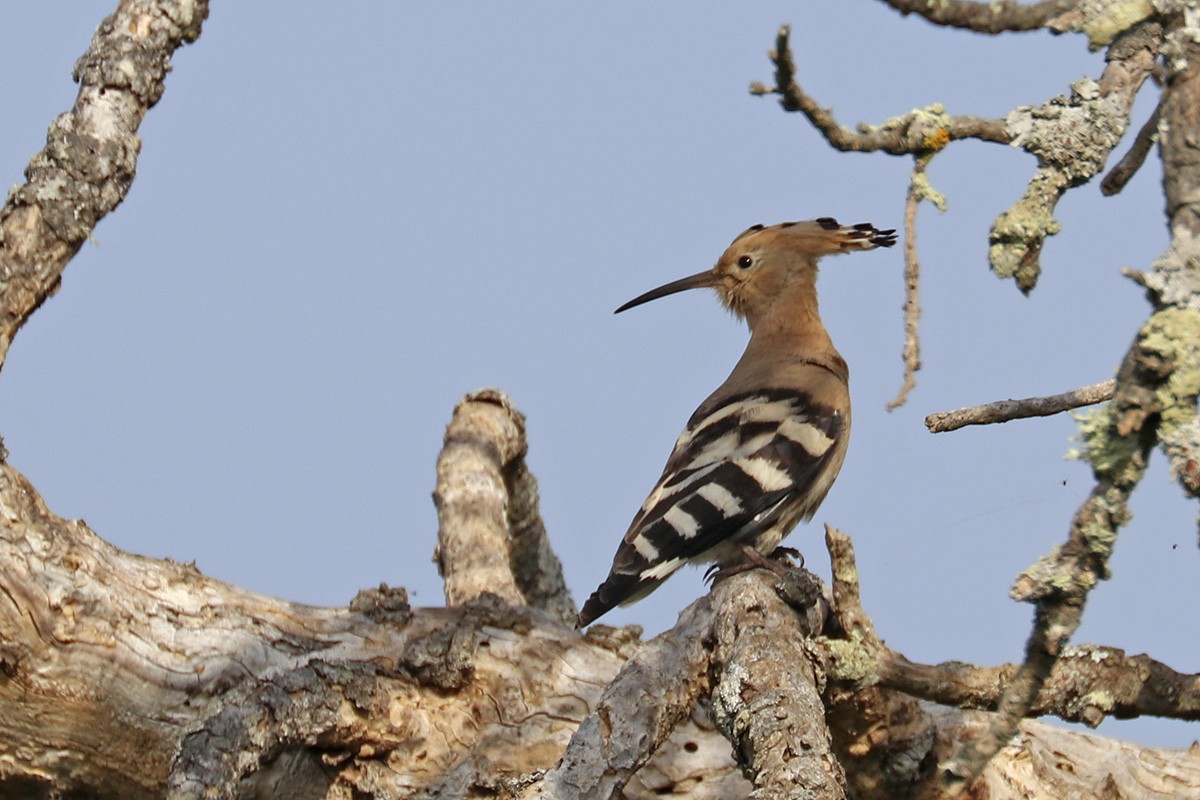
918 190
1132 161
1007 410
767 695
1072 138
490 535
992 17
1087 684
917 132
91 152
654 690
1119 440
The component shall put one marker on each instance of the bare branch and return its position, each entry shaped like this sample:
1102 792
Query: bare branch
490 535
917 132
847 600
993 17
1087 684
918 190
1006 410
1132 161
91 152
882 736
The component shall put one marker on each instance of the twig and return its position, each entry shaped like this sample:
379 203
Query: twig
847 600
993 17
1005 410
917 132
882 736
1132 161
918 189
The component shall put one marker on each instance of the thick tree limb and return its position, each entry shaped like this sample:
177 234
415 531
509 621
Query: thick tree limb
1099 768
917 132
656 688
994 17
1007 410
767 693
91 152
127 677
490 535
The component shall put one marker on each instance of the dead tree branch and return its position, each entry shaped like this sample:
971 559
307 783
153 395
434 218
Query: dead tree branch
917 132
918 190
1072 138
657 687
1059 583
1088 684
1007 410
997 17
490 535
766 695
1133 159
90 157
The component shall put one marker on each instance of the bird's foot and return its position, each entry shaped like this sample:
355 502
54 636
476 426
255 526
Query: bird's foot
794 584
778 563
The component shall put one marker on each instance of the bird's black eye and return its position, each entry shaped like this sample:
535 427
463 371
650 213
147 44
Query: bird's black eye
745 262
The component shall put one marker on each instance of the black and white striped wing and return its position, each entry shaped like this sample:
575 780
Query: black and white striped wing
735 471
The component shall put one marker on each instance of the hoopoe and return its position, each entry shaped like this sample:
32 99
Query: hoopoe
761 452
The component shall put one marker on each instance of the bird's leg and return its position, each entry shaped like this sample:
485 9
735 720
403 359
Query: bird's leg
796 586
752 559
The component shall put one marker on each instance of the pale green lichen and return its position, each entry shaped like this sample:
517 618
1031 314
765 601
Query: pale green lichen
1102 446
1071 138
1047 575
1103 20
1101 699
1169 342
850 659
1098 529
924 190
1017 234
931 124
1173 336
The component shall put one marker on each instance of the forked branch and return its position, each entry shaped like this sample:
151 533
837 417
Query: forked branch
917 132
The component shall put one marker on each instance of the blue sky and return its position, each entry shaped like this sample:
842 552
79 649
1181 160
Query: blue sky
346 217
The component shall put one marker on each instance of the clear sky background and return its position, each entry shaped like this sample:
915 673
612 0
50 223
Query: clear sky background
348 215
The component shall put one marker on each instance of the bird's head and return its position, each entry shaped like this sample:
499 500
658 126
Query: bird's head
766 265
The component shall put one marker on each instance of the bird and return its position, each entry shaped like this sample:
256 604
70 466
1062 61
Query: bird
760 454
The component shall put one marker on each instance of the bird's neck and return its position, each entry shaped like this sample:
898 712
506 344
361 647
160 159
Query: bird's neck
791 329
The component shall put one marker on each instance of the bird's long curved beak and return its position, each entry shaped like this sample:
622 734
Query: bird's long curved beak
698 281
